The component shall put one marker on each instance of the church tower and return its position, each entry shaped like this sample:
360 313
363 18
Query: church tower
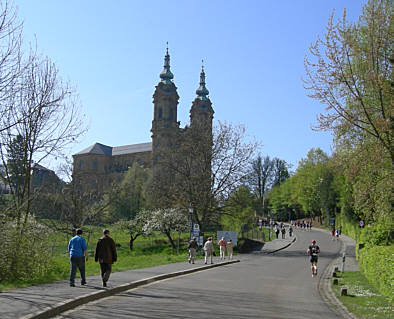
165 125
201 112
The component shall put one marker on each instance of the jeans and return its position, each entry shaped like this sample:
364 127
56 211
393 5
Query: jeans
80 263
105 271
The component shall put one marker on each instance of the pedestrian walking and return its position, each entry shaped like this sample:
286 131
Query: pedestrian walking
283 231
277 232
77 250
222 247
193 245
333 233
291 231
208 249
337 234
230 247
106 255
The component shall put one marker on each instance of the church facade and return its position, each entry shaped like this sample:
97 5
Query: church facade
98 166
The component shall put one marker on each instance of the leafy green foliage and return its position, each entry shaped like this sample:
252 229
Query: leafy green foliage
239 210
310 192
377 265
26 255
130 196
375 234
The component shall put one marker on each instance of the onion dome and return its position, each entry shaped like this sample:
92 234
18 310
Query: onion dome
166 75
202 91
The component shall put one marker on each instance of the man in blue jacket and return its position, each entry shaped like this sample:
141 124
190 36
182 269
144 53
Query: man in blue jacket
78 255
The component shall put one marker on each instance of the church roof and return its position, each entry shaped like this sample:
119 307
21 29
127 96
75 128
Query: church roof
133 148
101 149
97 148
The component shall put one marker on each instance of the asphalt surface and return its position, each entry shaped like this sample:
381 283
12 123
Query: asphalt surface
261 285
272 283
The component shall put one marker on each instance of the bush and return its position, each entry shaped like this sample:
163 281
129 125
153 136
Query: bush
377 264
350 228
374 234
25 254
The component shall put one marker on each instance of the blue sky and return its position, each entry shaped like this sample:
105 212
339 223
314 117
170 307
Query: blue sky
253 51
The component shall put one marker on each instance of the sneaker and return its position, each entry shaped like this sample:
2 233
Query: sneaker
72 285
83 283
104 284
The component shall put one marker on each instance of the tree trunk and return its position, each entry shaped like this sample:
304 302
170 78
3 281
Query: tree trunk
170 239
131 242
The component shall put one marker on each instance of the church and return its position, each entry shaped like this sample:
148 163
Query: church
98 166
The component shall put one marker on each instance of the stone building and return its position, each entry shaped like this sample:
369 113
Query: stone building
98 166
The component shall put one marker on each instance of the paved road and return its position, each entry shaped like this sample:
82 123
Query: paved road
277 285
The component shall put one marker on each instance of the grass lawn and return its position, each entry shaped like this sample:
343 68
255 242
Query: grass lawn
147 252
363 299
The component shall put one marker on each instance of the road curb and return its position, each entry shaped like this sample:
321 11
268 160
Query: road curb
325 289
58 308
284 247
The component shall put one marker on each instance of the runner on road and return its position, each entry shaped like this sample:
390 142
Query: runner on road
313 250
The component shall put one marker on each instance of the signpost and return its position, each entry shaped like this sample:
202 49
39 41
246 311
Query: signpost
196 230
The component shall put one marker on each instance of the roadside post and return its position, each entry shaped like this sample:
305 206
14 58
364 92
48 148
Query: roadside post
191 220
343 263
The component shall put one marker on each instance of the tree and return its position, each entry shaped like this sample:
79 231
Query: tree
71 208
166 221
136 226
239 210
260 178
353 76
265 174
49 121
203 176
129 198
280 171
11 62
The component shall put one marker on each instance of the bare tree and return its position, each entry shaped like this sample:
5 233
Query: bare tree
11 63
205 170
71 208
260 177
47 117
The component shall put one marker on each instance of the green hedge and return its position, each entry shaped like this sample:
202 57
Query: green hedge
377 264
352 229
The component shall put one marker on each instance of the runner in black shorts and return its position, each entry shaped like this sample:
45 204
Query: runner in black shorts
313 250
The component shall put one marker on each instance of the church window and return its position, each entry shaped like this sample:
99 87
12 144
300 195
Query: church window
160 113
171 114
95 165
81 164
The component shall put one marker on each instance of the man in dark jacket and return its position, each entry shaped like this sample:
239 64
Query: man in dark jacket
105 254
193 245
